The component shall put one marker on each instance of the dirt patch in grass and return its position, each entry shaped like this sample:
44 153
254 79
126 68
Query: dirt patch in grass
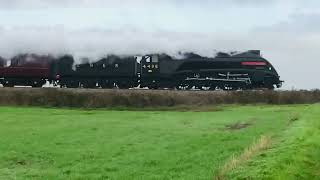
21 162
293 118
237 126
240 125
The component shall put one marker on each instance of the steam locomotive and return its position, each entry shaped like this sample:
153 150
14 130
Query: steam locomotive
247 70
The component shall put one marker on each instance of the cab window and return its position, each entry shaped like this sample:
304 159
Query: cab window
155 59
148 59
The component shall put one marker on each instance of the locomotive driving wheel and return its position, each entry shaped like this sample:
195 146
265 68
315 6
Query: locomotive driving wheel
8 84
123 86
107 85
72 84
89 85
37 84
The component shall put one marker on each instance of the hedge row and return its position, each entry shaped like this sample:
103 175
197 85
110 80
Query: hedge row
98 98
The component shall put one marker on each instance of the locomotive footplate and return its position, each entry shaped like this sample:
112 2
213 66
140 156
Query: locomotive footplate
244 80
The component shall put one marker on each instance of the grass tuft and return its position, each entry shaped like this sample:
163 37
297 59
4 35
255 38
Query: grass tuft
294 117
235 161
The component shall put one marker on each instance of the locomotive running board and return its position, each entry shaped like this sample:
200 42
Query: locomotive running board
232 75
245 80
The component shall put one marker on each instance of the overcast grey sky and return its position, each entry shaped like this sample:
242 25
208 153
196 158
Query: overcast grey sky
287 31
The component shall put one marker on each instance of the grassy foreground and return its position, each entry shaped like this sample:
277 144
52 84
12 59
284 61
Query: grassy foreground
231 142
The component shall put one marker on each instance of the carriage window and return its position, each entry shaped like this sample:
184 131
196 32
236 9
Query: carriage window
104 65
148 59
155 59
91 65
116 65
21 62
8 63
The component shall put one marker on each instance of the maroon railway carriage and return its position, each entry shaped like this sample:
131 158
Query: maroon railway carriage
25 70
2 65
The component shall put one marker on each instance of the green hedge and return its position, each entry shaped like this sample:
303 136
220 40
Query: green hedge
98 98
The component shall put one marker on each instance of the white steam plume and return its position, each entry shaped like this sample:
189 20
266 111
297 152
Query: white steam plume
95 43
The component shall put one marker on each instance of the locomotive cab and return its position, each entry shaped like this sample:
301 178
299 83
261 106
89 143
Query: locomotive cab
148 69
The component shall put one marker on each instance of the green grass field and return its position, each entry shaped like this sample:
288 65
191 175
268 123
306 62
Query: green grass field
229 142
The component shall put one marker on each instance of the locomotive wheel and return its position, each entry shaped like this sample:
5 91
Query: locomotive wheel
123 86
154 87
189 87
89 85
72 85
37 85
271 87
268 84
107 86
212 87
179 88
8 85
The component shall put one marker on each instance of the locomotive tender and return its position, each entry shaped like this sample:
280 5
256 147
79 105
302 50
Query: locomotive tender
247 70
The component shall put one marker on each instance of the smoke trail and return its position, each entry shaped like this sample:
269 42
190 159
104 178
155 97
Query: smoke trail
95 43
